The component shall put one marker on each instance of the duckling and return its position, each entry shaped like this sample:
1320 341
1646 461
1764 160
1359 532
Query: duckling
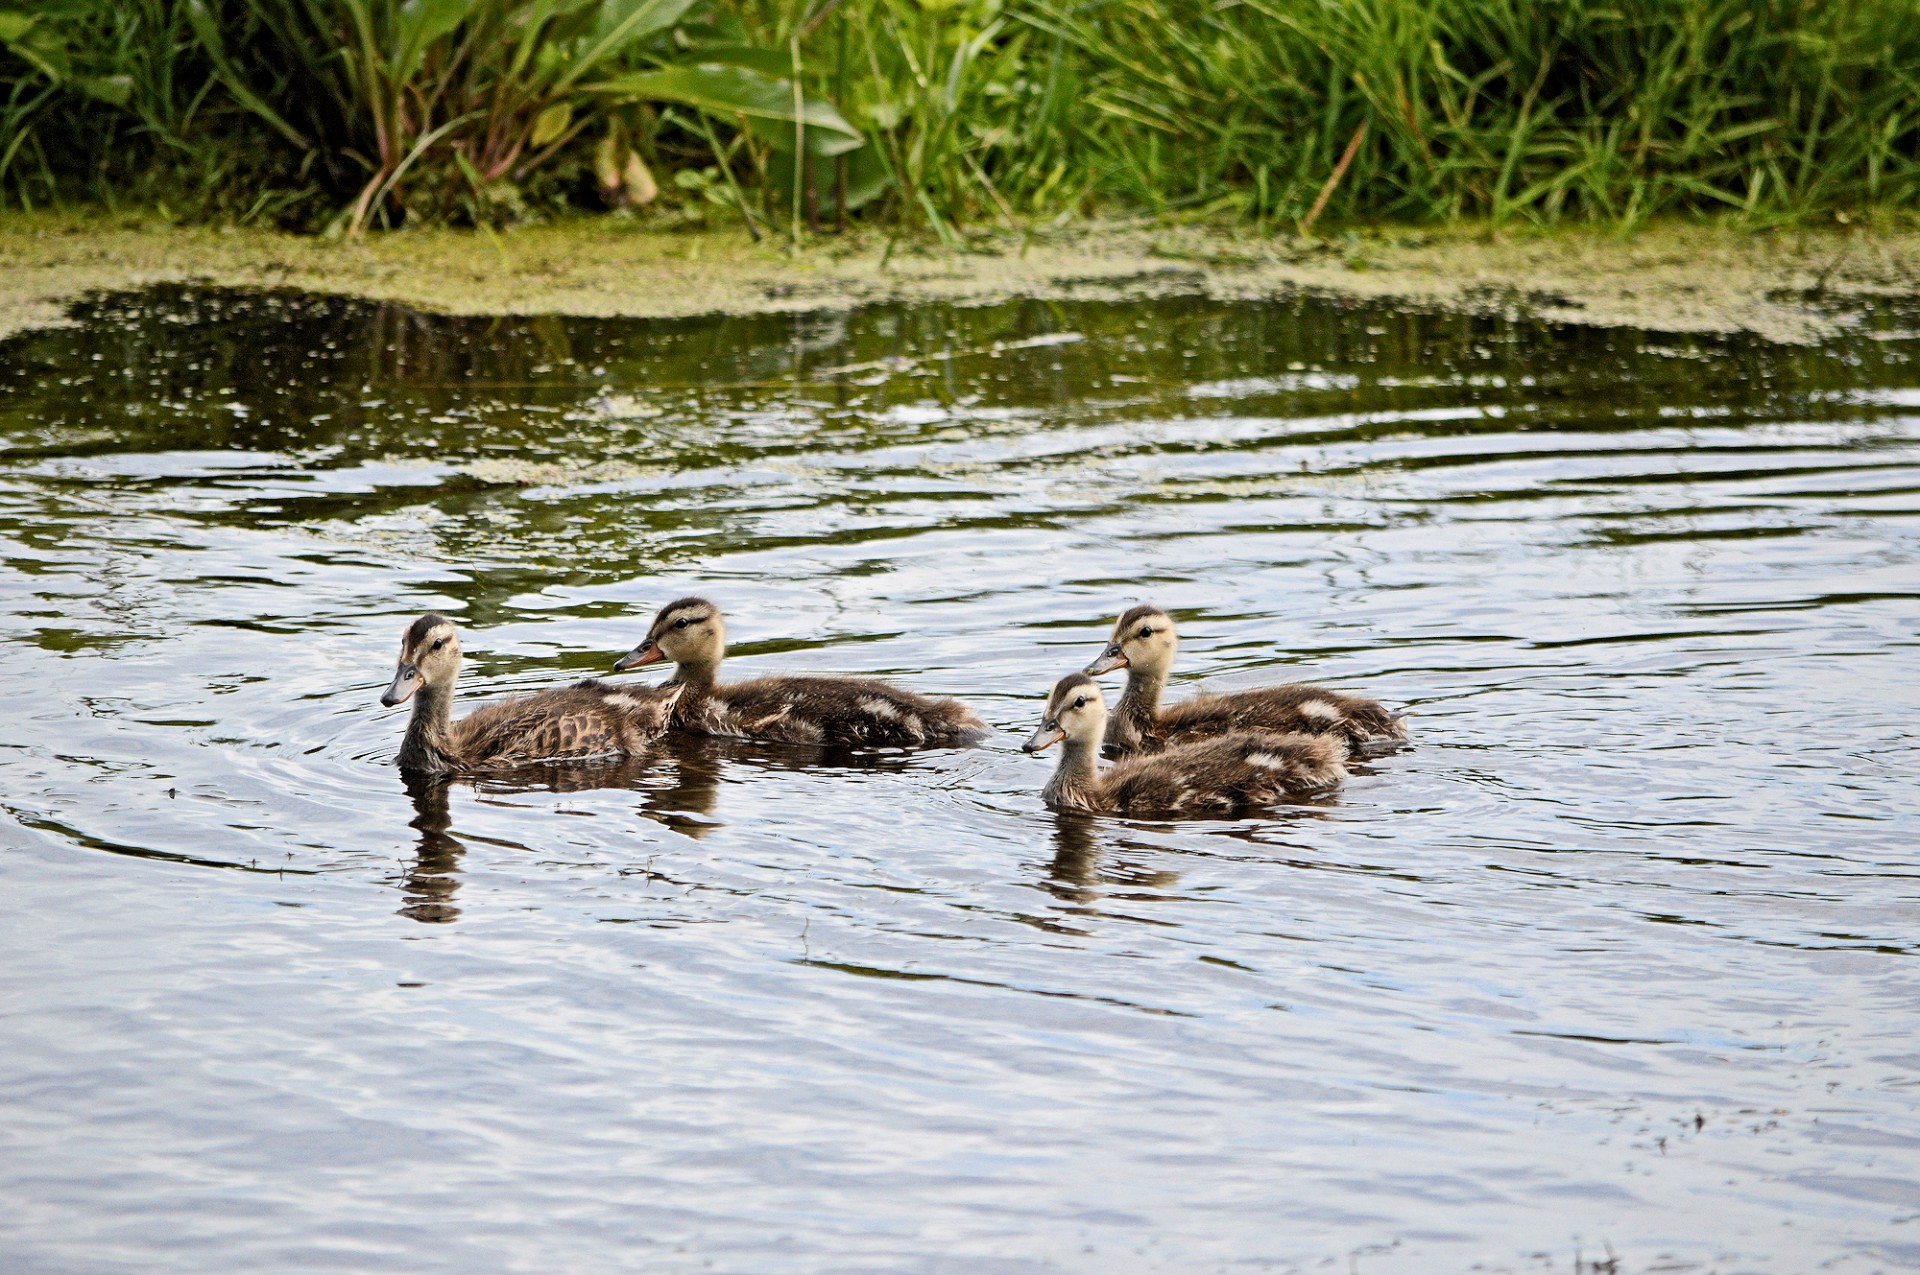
1144 643
1222 775
568 723
792 710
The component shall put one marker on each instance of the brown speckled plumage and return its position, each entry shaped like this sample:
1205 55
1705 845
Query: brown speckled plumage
1144 643
841 711
1224 775
589 719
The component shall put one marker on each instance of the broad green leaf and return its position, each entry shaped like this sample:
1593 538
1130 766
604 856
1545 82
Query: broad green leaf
867 177
39 45
883 115
45 47
822 143
550 123
114 90
623 22
727 90
867 180
774 63
534 35
421 23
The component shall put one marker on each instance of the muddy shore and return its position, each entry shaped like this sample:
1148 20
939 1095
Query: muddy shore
1791 286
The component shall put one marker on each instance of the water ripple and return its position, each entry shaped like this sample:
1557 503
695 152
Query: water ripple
1616 958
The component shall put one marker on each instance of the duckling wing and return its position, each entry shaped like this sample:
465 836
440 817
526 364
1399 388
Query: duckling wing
843 711
1295 708
588 719
643 712
1228 774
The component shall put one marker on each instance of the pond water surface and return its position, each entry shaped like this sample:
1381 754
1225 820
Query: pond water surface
1614 964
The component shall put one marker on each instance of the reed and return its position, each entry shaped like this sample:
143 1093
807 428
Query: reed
1603 109
959 117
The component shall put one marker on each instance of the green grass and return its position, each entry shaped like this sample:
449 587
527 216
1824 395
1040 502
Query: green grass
960 117
1602 109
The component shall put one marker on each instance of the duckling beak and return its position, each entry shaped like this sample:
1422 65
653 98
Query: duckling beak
1111 658
1046 737
406 680
648 652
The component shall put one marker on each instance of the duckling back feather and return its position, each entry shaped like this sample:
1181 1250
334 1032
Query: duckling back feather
842 711
1294 708
590 718
1225 774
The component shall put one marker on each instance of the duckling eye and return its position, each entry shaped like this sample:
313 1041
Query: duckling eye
437 645
682 623
1144 633
1081 702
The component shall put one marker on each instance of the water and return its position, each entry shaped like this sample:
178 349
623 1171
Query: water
1616 963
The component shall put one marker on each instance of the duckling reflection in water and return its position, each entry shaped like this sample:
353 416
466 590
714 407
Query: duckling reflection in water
589 719
843 711
1076 852
1076 876
1224 775
677 785
1144 643
433 879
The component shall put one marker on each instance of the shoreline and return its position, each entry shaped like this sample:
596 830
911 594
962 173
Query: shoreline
1791 286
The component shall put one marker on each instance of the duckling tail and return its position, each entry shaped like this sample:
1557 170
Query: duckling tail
1391 740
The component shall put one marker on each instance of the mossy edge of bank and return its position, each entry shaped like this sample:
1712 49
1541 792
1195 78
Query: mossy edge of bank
1791 285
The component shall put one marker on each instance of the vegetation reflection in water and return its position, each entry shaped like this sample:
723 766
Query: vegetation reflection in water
1630 922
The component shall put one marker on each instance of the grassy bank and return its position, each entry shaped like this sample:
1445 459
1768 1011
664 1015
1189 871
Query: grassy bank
957 117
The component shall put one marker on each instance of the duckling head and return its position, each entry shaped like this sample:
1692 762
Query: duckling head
1143 640
688 632
429 656
1076 711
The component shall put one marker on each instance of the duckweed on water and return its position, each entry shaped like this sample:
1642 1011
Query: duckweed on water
1793 286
